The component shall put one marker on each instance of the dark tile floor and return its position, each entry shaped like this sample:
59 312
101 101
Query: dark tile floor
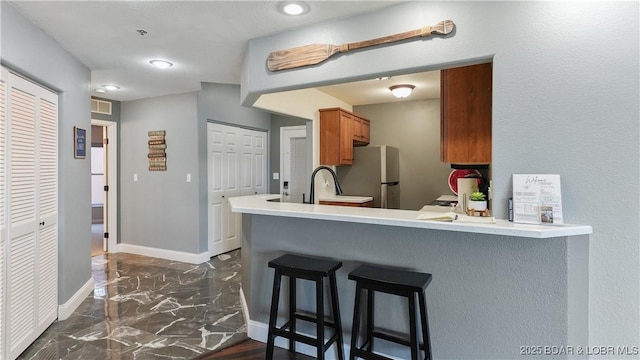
148 308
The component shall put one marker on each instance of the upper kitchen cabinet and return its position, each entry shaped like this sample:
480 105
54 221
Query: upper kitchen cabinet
361 131
465 114
340 131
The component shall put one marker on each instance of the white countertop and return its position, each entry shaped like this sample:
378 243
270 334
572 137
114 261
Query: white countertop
347 199
258 205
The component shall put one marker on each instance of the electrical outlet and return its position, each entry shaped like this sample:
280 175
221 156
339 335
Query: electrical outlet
188 177
276 176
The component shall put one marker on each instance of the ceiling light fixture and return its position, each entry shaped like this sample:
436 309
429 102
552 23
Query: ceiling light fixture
294 8
402 90
101 91
162 64
111 87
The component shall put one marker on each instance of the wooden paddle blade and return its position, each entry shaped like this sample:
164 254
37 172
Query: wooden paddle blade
301 56
443 27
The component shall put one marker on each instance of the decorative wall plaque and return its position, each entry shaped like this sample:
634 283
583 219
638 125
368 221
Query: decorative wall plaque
157 151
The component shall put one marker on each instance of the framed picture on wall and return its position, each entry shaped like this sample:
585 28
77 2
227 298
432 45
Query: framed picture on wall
79 143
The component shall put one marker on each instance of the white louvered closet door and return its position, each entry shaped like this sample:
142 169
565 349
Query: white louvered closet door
32 218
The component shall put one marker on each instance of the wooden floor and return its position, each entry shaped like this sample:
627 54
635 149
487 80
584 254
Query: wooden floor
252 350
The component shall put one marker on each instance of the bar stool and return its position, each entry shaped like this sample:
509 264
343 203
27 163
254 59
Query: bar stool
397 282
302 267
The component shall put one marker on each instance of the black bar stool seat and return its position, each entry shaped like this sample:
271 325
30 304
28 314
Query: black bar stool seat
396 282
313 269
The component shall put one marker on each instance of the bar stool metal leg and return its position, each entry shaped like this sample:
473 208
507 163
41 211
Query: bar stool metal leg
413 331
370 321
292 310
273 315
355 328
320 318
336 315
425 326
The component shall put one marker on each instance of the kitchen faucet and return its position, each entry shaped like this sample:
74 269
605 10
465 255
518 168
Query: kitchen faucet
335 182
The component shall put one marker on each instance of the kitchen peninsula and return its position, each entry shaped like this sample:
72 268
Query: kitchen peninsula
495 286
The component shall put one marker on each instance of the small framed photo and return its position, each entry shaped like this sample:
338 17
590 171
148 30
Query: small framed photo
79 143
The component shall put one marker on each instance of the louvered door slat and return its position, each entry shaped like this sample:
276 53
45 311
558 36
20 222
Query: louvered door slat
48 158
3 242
21 299
47 287
23 160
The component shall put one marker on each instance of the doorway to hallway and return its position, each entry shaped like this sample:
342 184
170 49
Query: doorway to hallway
103 187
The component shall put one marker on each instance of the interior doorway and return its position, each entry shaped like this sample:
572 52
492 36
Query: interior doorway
103 187
98 196
293 163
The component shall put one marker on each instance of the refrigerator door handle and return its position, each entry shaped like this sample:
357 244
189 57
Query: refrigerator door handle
391 183
383 196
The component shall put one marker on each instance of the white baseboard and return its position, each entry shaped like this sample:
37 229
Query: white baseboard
165 254
65 310
245 308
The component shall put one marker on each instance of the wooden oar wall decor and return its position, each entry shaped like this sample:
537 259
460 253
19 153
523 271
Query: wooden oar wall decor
317 53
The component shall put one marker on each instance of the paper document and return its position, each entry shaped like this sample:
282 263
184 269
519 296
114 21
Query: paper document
458 218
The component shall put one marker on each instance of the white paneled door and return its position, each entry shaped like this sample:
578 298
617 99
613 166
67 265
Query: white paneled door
237 166
29 224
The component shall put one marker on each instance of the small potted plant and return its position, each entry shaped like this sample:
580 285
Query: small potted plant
477 201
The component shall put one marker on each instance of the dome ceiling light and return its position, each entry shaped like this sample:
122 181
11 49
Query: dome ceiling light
111 87
402 90
161 64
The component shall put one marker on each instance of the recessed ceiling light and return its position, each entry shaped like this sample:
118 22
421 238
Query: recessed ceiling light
101 91
162 64
294 8
111 87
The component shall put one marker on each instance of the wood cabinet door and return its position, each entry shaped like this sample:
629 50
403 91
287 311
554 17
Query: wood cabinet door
465 121
361 130
365 132
346 138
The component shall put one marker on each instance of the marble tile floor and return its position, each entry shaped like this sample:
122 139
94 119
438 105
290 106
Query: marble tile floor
149 308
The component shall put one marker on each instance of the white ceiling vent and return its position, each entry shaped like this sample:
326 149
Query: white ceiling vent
101 107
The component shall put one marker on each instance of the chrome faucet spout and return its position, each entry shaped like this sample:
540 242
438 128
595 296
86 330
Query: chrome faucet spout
338 188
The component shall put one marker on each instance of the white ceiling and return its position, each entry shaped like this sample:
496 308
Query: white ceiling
206 40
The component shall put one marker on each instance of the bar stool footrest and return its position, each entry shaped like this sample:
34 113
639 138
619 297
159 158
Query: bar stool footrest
363 354
286 333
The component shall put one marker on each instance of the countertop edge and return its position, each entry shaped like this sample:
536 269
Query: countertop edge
258 205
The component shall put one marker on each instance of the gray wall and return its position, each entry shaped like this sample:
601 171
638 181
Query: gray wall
31 52
278 121
414 128
564 80
160 210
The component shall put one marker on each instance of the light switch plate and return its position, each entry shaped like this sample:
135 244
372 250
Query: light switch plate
135 177
188 177
276 176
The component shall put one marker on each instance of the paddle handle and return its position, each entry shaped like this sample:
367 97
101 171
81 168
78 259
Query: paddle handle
443 27
425 31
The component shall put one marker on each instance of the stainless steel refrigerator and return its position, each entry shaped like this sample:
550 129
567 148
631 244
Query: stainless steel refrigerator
375 172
